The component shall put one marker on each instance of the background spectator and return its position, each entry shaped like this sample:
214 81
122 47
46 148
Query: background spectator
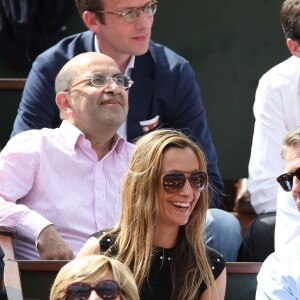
276 111
108 277
57 186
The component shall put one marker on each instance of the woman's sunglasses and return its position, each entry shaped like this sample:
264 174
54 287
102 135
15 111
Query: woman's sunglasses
286 180
174 181
106 289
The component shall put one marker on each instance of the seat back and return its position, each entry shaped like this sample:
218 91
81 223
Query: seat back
32 279
38 276
241 280
16 84
27 279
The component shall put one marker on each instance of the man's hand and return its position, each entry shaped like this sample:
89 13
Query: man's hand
51 245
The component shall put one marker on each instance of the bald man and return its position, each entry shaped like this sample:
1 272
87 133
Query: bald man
57 186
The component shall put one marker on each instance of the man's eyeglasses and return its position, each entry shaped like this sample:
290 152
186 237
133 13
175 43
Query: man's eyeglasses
101 79
174 181
286 180
106 289
131 15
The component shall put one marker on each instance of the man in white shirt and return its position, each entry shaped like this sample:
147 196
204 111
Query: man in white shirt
277 111
279 277
287 220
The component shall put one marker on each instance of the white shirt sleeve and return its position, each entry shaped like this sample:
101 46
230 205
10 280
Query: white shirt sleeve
276 111
279 276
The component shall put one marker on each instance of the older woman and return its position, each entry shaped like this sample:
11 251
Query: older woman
94 277
160 234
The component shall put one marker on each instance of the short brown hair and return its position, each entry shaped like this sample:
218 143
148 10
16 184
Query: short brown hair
90 5
290 19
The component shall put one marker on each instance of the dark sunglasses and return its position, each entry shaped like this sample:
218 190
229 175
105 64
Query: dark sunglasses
286 180
106 289
174 181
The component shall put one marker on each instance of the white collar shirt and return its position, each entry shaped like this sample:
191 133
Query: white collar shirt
279 276
276 111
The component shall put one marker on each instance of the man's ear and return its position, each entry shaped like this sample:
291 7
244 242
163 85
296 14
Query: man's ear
63 102
91 21
293 46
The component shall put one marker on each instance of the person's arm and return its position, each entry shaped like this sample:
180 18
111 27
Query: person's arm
52 246
217 292
19 164
27 223
266 162
18 218
91 246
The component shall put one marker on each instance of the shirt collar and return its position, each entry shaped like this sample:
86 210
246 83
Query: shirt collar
73 136
118 144
70 133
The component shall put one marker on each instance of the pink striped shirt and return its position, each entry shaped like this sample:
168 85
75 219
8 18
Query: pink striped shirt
53 176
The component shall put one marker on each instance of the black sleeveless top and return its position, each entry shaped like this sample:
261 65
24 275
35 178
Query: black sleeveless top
158 284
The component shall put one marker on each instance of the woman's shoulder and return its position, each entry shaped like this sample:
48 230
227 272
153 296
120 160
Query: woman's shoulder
216 261
106 240
99 233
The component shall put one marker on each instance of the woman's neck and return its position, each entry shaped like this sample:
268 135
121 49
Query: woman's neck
166 237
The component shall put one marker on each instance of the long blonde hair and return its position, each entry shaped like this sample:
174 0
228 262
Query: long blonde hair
139 218
90 269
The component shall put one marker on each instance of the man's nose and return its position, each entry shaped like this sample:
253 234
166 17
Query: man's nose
111 84
296 185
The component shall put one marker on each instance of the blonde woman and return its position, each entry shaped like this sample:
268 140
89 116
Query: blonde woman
160 234
94 277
